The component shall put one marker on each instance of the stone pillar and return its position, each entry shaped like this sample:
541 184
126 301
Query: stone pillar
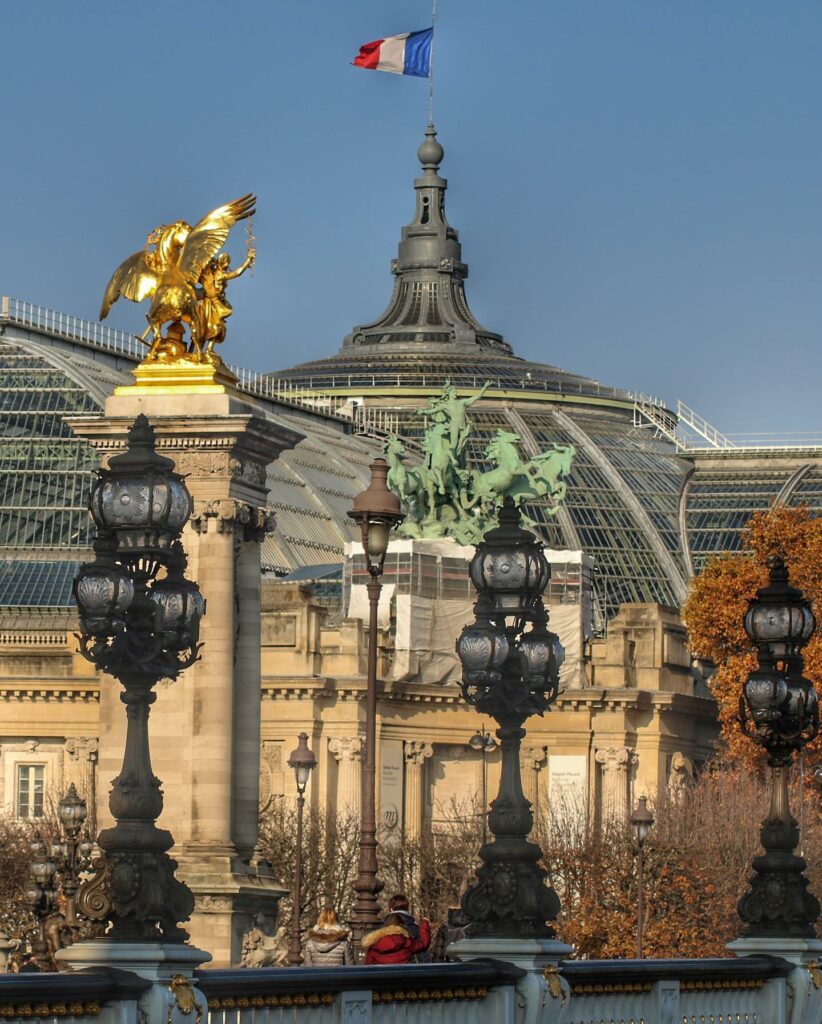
80 767
614 790
530 760
205 727
347 751
415 753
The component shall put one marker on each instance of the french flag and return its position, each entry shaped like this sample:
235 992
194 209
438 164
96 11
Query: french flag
408 54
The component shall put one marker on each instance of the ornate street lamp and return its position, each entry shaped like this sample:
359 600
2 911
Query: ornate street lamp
377 511
510 665
73 850
483 742
42 892
57 869
642 821
139 621
779 709
302 760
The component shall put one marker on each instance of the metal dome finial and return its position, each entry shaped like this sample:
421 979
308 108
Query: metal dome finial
430 152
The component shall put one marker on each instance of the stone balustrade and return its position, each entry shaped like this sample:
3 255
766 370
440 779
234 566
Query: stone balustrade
105 996
748 990
480 992
756 989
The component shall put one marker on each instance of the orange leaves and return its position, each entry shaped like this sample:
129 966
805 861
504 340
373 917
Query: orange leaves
719 598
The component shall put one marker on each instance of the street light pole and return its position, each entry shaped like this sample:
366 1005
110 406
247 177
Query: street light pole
58 869
376 511
642 821
510 664
779 708
302 760
139 622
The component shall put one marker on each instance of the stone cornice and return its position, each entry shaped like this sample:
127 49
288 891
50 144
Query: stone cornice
50 693
590 699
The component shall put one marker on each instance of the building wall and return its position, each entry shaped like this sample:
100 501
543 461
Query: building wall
637 717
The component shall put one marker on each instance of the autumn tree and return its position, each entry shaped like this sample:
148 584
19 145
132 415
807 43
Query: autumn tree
719 599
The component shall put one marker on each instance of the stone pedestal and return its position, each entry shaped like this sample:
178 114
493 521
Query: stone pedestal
173 998
801 1003
205 728
543 992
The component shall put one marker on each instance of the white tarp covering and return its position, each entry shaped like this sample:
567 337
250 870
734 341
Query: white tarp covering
426 628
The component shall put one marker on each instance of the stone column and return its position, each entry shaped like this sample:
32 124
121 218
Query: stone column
205 728
530 760
415 753
616 764
347 751
81 769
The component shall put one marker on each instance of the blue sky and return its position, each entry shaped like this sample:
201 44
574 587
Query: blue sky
636 182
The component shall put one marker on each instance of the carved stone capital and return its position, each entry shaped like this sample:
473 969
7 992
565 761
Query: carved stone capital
346 748
229 516
532 757
616 759
415 752
82 748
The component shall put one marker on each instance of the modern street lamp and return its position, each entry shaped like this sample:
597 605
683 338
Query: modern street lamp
642 821
779 709
485 743
302 760
139 622
377 511
510 664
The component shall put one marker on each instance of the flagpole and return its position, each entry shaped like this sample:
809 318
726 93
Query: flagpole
431 64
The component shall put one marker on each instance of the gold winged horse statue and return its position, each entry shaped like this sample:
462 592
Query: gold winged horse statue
181 271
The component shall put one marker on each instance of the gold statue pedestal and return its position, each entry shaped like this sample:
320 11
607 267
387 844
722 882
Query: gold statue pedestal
181 377
174 370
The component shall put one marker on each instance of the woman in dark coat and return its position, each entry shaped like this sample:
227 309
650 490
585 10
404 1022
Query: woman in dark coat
392 944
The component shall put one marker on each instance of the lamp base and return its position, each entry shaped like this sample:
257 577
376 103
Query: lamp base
543 992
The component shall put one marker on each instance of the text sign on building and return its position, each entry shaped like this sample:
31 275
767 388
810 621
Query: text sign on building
568 782
391 784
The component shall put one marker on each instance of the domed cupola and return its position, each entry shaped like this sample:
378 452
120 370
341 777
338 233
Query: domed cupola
428 309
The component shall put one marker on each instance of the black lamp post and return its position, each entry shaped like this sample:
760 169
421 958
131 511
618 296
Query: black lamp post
57 869
642 821
139 621
779 708
73 850
377 511
483 742
510 665
302 760
42 891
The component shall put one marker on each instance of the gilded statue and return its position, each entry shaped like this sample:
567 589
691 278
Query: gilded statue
446 497
184 273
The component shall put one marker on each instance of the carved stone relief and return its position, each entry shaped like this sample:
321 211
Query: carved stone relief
271 772
681 775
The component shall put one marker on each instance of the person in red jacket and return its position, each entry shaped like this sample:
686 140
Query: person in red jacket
392 944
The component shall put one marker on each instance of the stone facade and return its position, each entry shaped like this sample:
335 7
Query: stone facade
634 718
